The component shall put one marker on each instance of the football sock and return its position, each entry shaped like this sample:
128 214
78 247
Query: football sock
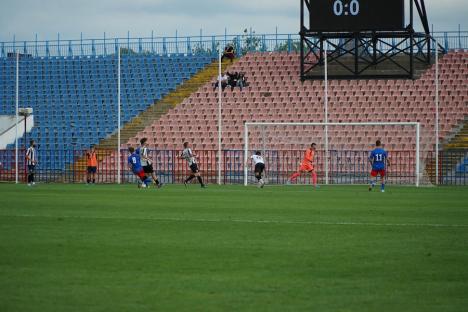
156 181
372 183
94 181
189 179
314 178
294 176
382 186
200 180
87 181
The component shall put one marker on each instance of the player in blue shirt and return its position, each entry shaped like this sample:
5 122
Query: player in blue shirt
379 161
134 163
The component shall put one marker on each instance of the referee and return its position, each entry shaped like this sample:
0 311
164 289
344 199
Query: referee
31 161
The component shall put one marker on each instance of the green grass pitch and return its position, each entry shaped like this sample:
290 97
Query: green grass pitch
231 248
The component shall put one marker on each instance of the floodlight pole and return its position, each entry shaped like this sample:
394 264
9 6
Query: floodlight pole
17 118
436 111
25 116
219 116
417 154
246 152
118 118
325 119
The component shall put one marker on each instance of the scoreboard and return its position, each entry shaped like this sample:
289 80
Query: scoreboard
356 15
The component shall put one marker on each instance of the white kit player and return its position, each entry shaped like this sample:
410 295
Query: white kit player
259 167
190 157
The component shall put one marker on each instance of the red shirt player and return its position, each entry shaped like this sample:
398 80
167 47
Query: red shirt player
307 165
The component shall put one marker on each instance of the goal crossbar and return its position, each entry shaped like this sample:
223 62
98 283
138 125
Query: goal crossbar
326 124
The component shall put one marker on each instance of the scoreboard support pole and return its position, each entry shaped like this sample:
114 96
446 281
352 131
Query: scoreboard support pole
301 44
411 52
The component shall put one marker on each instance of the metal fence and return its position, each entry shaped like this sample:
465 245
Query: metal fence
453 167
206 45
346 167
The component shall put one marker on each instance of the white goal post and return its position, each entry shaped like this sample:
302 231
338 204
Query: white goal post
249 126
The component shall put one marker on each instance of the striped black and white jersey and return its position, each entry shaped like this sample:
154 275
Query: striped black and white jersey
31 156
257 159
188 156
144 157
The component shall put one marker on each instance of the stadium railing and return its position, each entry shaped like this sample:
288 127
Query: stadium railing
190 45
347 167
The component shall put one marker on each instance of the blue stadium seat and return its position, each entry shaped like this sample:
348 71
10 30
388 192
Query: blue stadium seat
463 166
74 98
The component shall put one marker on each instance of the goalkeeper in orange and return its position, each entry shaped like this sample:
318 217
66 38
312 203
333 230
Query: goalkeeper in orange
307 165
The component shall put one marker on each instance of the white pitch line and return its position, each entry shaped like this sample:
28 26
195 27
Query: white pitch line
433 225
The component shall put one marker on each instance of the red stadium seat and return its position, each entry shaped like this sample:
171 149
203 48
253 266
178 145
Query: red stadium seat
291 100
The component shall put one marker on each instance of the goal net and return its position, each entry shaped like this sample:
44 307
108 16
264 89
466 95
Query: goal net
342 155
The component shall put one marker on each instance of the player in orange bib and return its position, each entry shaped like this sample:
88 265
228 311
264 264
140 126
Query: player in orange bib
91 162
307 165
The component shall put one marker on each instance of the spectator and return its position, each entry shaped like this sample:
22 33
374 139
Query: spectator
228 53
242 81
233 78
224 82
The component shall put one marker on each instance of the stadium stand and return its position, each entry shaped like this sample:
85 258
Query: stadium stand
277 94
74 100
74 97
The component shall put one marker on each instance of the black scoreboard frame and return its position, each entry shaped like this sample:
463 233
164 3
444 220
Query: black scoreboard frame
363 48
356 15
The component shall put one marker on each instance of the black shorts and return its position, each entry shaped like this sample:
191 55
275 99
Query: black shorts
92 169
31 169
148 169
194 168
259 168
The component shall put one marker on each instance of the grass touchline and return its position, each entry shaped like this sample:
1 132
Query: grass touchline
247 221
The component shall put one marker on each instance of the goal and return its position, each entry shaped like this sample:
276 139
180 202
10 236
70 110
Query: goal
342 150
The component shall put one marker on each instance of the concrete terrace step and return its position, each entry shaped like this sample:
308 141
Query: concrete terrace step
155 111
460 140
161 107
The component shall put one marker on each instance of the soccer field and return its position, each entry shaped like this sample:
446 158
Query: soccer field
231 248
